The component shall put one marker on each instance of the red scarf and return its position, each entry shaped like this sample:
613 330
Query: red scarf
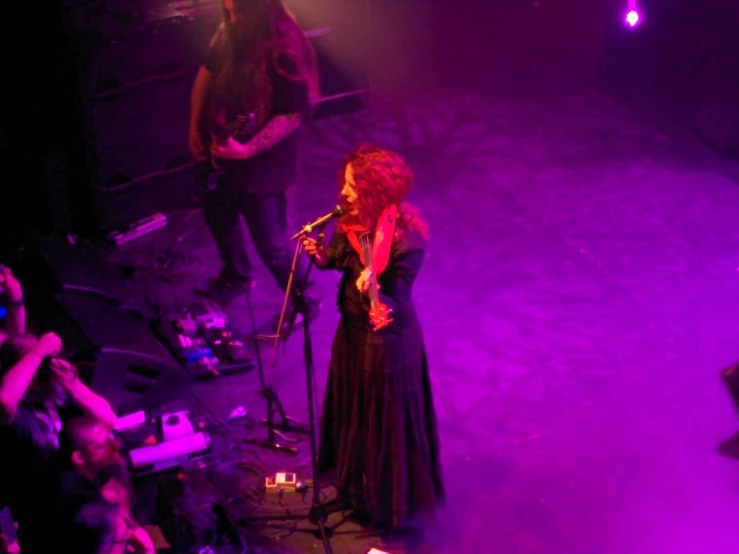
384 234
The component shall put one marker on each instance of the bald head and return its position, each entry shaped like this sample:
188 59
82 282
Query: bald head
80 433
87 443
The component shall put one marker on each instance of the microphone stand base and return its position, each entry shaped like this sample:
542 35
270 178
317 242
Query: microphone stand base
274 446
284 423
288 427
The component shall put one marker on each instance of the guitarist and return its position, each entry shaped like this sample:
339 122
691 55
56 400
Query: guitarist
261 66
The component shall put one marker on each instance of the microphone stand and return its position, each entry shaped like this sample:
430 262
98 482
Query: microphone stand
286 423
318 512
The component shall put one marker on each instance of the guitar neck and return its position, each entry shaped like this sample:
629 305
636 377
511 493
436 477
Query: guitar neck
369 264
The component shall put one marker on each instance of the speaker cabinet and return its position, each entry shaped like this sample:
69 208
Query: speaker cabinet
134 85
132 381
127 363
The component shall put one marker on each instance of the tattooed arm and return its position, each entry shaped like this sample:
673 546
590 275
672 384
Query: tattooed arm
291 106
273 132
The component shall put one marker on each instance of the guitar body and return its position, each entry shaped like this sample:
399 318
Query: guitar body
380 316
208 173
206 179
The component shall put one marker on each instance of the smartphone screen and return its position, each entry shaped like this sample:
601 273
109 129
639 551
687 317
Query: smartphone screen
3 305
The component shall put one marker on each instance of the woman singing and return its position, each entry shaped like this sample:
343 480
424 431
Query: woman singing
379 431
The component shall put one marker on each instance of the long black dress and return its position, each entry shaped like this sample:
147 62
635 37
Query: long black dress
379 433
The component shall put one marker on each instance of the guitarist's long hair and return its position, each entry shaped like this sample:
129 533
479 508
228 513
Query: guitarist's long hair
250 50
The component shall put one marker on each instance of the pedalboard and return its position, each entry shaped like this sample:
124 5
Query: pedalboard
201 339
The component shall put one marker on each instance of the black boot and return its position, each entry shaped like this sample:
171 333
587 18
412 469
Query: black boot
225 284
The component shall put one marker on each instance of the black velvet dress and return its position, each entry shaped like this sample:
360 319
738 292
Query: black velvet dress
378 433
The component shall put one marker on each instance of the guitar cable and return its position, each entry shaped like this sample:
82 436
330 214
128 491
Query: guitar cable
174 265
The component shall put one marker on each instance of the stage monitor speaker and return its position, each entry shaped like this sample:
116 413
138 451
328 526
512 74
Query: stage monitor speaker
56 265
132 381
128 364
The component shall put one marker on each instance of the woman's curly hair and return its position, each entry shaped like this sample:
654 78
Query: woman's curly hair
382 178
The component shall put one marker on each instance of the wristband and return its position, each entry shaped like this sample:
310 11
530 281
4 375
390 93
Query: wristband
16 303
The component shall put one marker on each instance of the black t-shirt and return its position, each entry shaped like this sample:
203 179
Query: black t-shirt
65 493
274 169
27 443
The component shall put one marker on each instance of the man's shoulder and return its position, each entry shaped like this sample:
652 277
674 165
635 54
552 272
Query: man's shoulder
23 419
53 469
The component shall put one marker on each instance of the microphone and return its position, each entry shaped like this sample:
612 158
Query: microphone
338 211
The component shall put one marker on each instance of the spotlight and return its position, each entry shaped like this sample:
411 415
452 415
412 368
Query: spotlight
632 18
632 15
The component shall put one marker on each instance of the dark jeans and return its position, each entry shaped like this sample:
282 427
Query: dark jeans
266 220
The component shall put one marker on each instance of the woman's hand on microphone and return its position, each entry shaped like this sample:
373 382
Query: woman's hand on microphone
315 250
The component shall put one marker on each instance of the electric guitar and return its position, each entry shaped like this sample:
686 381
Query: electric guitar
209 172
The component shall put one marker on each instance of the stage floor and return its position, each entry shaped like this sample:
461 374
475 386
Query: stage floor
579 298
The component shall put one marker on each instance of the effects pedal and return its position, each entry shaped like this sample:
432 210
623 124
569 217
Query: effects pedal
226 346
286 482
201 339
207 313
176 425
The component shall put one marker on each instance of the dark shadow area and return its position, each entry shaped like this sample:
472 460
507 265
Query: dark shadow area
677 69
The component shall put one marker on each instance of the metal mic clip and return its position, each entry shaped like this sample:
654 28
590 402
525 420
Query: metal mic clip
305 230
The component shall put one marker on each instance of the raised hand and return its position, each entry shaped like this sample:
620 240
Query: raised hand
141 542
49 345
11 285
65 372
